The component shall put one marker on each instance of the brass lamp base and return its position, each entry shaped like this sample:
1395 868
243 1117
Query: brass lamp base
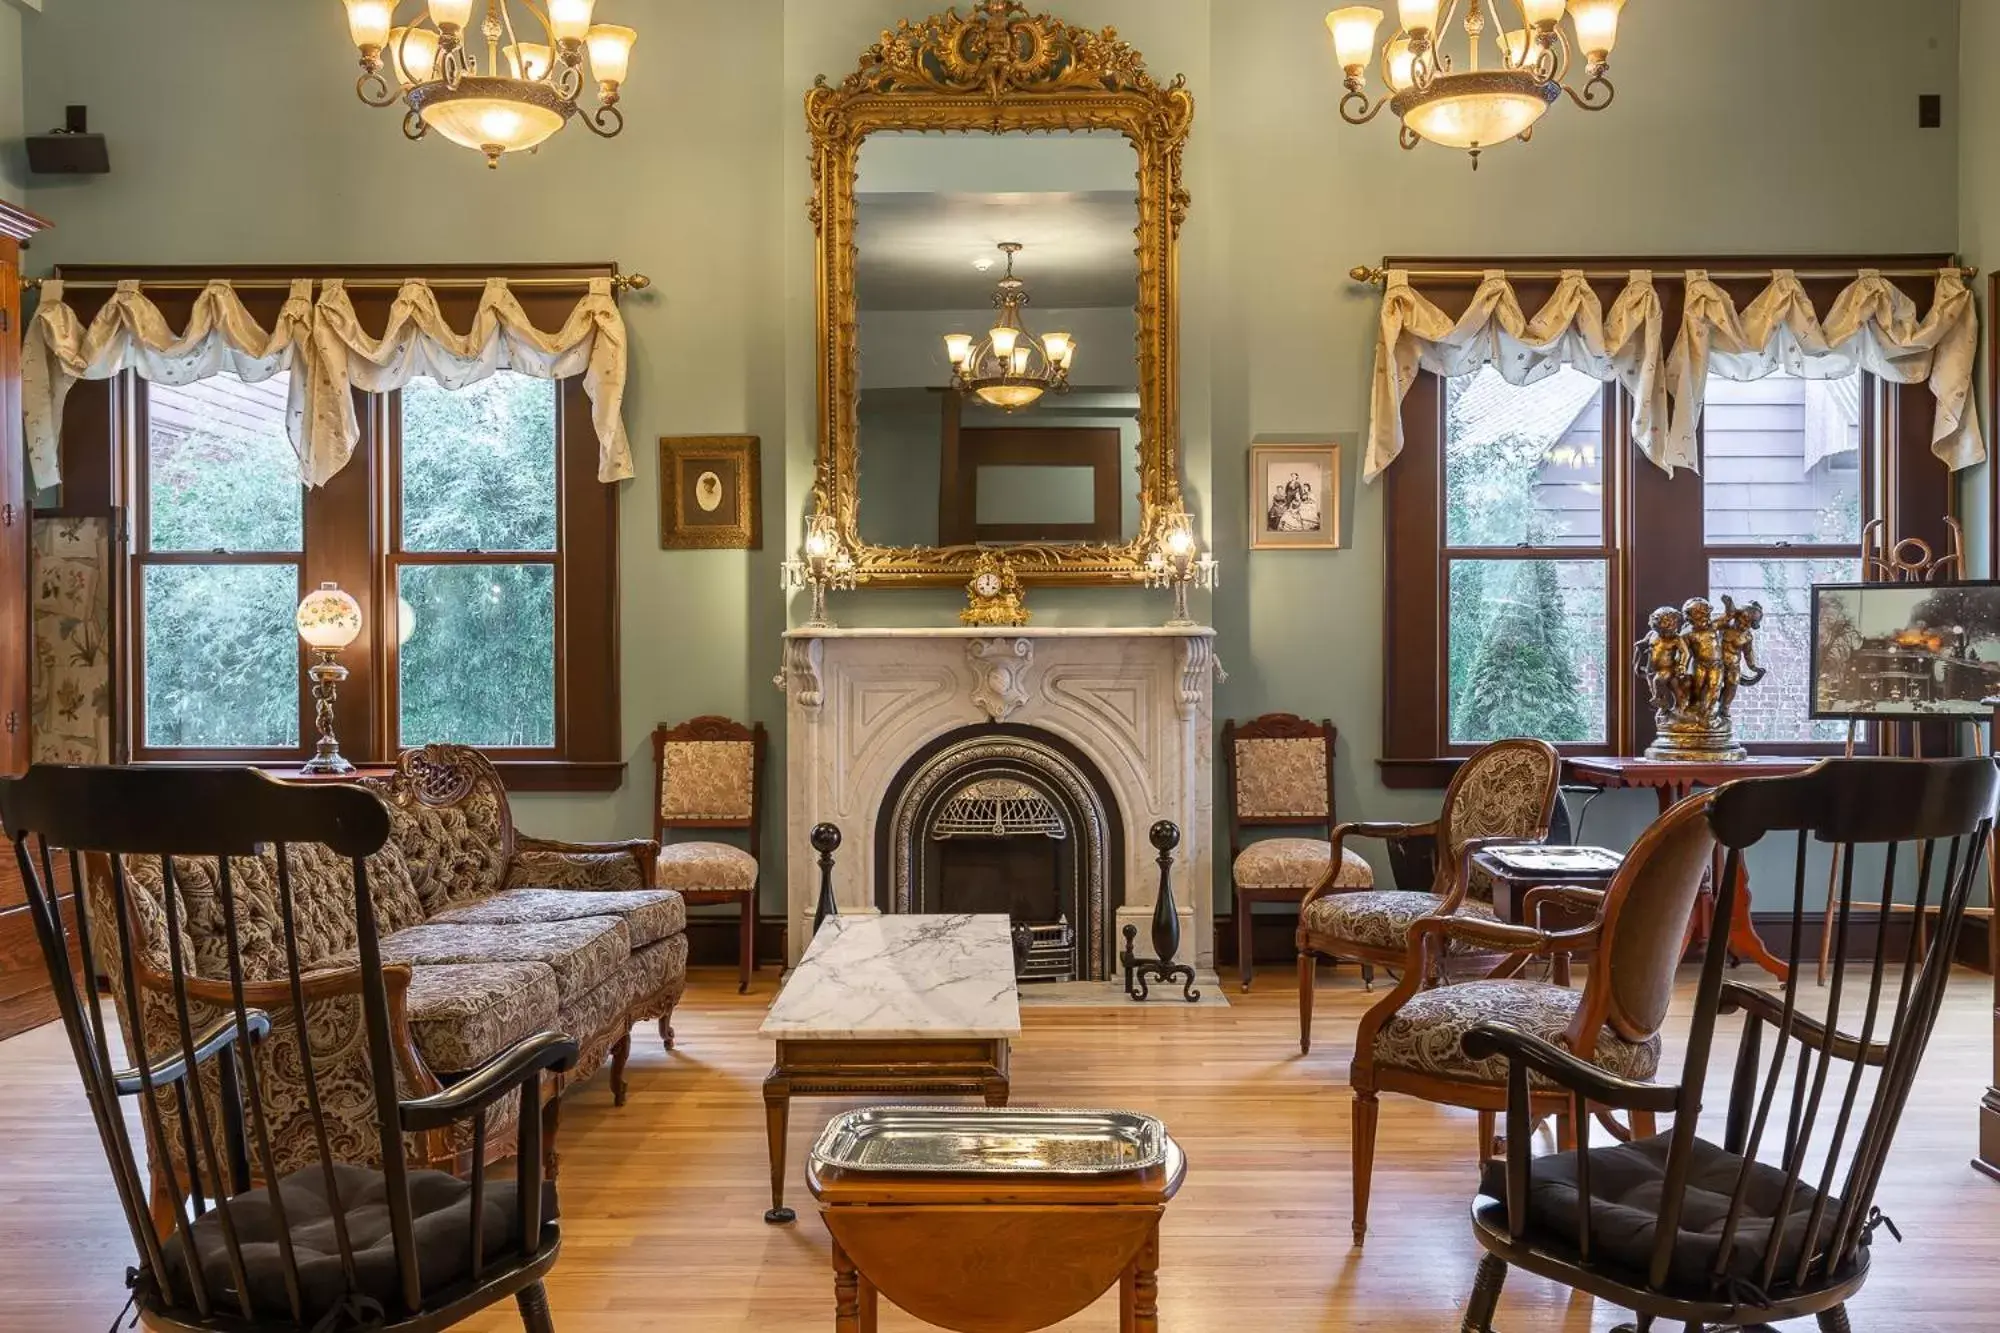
326 674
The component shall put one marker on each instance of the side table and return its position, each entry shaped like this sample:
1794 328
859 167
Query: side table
1672 781
995 1254
1512 886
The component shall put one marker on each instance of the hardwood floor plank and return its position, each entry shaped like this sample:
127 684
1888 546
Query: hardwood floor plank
663 1200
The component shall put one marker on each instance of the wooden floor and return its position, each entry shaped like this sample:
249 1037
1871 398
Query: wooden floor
663 1201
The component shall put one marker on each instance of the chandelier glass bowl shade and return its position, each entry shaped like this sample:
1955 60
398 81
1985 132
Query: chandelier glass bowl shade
491 88
1492 86
1010 368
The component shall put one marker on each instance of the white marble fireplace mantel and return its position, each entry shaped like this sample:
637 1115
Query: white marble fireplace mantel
1139 703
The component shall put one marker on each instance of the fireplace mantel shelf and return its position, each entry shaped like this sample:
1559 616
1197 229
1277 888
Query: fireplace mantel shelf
1004 632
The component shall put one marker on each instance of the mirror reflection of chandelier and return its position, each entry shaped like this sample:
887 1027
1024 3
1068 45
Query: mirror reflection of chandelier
1010 368
447 87
1466 101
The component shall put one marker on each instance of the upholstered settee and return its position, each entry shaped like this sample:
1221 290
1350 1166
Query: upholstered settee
486 937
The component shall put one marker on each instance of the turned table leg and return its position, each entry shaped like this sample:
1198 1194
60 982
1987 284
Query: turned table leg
777 1105
1146 1284
846 1293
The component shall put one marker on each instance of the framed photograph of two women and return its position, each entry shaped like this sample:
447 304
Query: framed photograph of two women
1294 497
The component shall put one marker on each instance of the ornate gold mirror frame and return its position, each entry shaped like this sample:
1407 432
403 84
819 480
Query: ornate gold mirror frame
998 69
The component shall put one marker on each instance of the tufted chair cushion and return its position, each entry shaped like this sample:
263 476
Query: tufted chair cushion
1281 778
706 867
1424 1036
1297 863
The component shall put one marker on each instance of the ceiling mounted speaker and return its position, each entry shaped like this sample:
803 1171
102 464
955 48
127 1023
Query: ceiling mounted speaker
70 151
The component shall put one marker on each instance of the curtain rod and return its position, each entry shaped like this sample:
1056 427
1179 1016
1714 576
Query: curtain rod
620 282
1362 273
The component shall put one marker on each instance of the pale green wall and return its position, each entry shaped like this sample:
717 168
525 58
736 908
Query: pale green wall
1794 133
1976 119
13 157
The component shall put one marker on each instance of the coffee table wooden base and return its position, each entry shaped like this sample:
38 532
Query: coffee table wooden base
911 1067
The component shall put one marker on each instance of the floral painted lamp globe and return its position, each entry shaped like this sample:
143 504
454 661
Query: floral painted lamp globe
328 620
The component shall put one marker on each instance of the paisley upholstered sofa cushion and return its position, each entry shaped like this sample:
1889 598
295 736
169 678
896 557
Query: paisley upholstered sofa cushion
1380 918
1297 863
649 915
1425 1035
582 953
463 1014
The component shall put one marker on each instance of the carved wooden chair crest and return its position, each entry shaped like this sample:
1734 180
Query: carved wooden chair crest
330 1245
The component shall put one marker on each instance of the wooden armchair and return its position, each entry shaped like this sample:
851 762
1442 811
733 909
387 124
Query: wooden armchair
245 1246
1411 1041
1505 792
1774 1222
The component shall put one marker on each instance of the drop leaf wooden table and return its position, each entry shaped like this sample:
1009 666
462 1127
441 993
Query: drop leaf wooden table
995 1254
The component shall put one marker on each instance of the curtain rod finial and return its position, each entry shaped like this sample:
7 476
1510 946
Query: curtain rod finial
1364 274
631 282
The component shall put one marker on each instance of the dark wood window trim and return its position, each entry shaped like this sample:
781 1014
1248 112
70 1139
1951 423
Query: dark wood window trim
348 522
1654 523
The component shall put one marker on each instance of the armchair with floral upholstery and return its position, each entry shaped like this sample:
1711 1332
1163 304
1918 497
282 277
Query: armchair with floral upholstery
485 937
1503 793
1411 1041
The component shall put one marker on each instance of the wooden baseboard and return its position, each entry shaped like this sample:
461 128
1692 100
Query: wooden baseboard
1274 934
712 940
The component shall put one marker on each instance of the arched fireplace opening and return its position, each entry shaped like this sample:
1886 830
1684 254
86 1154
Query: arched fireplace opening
1013 819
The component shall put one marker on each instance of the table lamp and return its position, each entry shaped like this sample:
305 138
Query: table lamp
328 621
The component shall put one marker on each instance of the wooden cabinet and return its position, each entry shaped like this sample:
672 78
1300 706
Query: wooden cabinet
25 999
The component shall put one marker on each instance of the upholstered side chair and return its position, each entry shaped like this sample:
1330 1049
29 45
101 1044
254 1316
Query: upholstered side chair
1503 793
1280 770
706 779
1410 1042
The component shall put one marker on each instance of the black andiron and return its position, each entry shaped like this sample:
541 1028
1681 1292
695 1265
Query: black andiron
1166 836
826 841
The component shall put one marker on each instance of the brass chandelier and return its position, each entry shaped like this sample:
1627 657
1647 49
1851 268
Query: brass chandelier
1465 102
1011 368
447 88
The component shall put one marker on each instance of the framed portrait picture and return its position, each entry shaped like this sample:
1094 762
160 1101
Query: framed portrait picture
1905 651
709 496
1294 497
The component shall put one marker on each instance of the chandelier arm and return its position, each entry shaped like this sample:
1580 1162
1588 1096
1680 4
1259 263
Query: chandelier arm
414 127
606 122
1596 95
373 89
1560 73
1356 109
1407 137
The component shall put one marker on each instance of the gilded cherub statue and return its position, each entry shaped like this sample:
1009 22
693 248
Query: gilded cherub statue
1660 659
1739 649
1694 662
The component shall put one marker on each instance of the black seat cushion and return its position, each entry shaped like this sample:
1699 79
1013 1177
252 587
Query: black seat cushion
1627 1182
440 1209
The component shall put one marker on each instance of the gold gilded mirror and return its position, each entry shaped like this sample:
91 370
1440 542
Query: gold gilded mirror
998 322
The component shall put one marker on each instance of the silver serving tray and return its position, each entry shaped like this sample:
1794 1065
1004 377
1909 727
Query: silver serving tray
977 1140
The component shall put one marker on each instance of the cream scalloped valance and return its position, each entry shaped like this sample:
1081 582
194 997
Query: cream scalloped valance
1571 329
1873 326
328 353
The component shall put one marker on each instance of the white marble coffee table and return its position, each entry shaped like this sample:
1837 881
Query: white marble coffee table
921 1005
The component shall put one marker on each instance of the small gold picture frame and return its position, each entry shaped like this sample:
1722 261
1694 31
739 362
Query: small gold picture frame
710 497
1294 497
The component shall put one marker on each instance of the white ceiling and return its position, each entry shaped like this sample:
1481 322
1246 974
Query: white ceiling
922 251
930 208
